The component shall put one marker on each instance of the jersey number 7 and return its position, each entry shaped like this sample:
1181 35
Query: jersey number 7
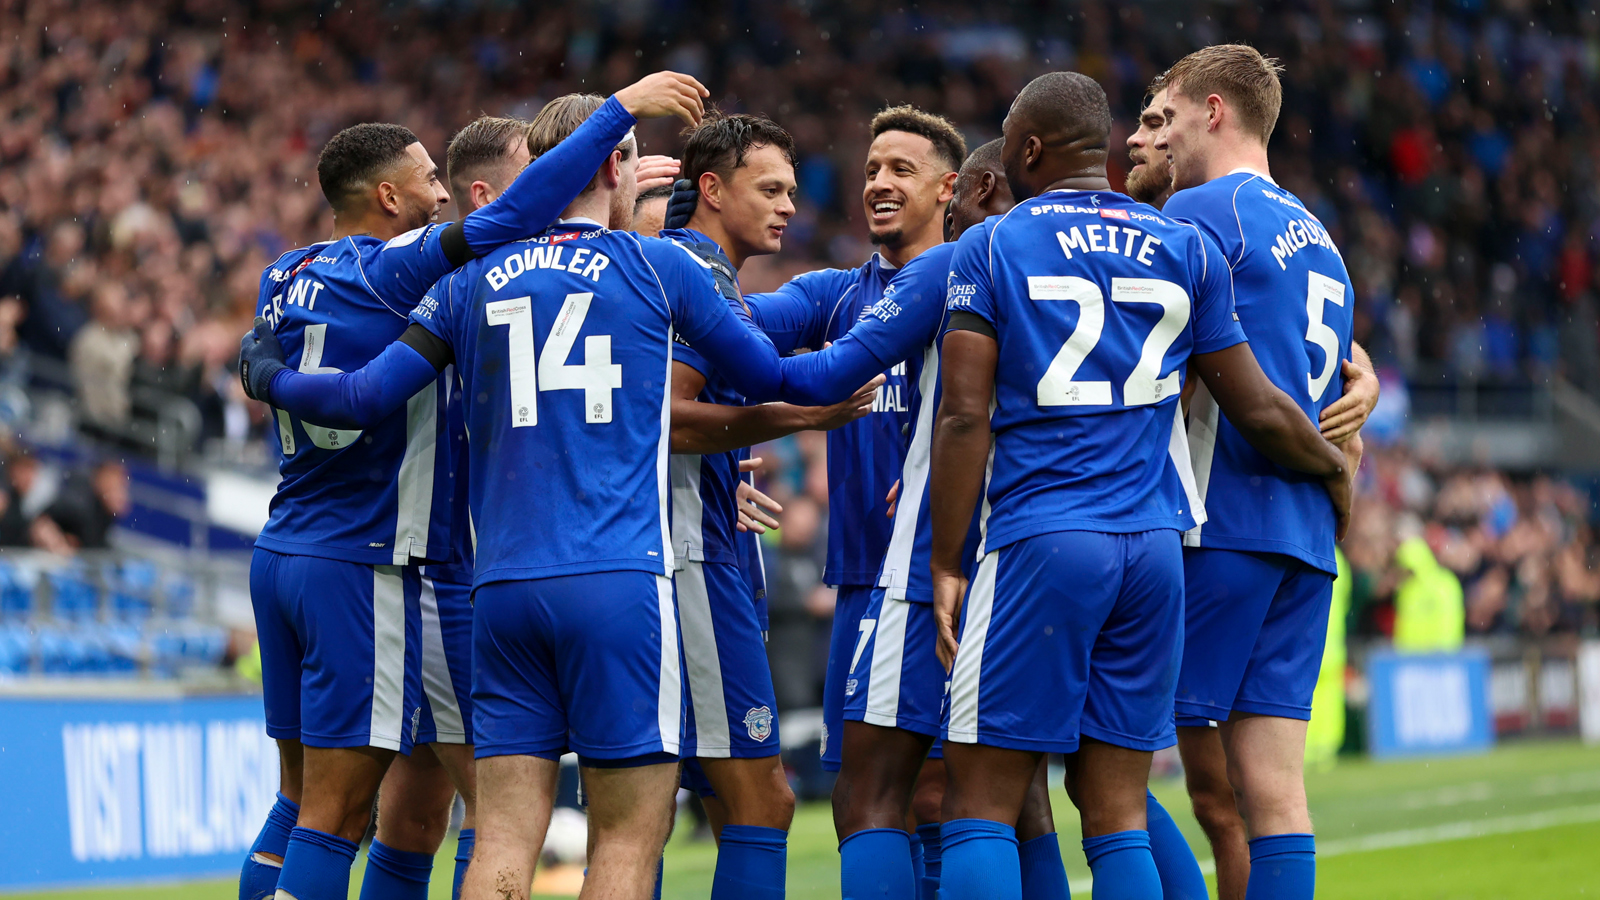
530 373
1144 384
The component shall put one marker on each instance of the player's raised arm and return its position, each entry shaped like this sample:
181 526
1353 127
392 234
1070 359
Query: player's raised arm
536 198
699 427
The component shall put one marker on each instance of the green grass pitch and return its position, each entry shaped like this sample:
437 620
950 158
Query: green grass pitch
1521 822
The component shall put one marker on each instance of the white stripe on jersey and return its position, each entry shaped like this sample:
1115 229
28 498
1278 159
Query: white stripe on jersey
702 665
415 483
1178 452
388 658
438 688
888 658
669 690
1203 417
988 473
964 675
688 509
896 572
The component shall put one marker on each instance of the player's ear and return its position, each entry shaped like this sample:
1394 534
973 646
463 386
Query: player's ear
1214 111
1032 151
481 194
947 186
613 169
711 191
986 184
388 196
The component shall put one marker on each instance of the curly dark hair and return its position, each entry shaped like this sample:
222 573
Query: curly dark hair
946 139
355 156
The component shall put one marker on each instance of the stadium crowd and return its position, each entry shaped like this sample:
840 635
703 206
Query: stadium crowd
155 156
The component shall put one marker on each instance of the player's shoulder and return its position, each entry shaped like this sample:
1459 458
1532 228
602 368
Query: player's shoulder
291 262
935 259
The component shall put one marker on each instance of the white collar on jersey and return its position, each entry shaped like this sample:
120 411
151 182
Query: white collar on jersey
579 220
883 263
1249 171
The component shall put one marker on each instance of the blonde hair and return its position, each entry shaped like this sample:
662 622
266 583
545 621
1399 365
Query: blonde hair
1238 74
560 118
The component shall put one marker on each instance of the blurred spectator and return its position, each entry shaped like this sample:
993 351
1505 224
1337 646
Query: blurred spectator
1428 612
88 506
798 618
102 355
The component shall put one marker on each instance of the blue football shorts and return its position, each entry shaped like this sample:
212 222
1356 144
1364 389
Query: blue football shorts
733 709
895 678
582 663
446 658
1255 625
1067 635
849 607
339 650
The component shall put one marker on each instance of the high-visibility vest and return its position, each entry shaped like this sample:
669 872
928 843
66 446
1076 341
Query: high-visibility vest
1429 611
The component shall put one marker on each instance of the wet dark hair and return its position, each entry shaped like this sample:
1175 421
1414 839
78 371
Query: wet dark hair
721 140
659 192
354 157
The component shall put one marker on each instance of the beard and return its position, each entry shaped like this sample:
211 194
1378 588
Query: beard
892 238
1150 183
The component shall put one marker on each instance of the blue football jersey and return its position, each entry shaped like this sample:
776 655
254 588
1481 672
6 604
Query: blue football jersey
1295 301
563 345
864 457
1097 303
704 515
455 466
376 496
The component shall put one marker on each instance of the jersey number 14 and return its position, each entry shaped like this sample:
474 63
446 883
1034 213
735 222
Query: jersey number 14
532 372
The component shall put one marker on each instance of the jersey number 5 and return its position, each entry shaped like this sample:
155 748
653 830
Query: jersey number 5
1320 291
1144 385
597 376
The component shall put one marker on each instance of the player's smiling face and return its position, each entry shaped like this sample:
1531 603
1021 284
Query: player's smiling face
1151 175
1187 123
758 199
420 192
906 186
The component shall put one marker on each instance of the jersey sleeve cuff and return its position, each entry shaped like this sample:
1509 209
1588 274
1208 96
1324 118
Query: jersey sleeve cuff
683 353
1219 343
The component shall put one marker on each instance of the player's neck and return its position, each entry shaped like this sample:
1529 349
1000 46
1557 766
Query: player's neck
376 223
912 246
1239 153
711 226
594 205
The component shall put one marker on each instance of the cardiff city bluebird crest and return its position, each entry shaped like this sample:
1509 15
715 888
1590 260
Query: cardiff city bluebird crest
758 722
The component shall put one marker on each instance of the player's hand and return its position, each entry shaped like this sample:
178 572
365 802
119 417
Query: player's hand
827 418
260 358
665 94
1345 416
681 205
893 498
1342 488
757 511
949 590
656 171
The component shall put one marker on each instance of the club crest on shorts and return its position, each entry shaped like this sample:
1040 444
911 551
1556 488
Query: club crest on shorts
416 722
822 749
758 722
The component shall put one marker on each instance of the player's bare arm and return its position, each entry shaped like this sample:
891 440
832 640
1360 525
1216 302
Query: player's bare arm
713 428
960 452
1345 416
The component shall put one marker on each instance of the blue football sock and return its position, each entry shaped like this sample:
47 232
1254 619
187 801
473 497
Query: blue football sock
464 843
752 862
259 879
1282 867
1122 866
918 866
980 861
1043 875
317 865
1175 862
932 861
875 864
395 874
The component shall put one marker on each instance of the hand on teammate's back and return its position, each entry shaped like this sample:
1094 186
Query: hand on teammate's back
1345 416
757 511
665 94
1342 488
260 358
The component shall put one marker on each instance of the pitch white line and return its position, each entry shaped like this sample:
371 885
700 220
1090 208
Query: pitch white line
1433 834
